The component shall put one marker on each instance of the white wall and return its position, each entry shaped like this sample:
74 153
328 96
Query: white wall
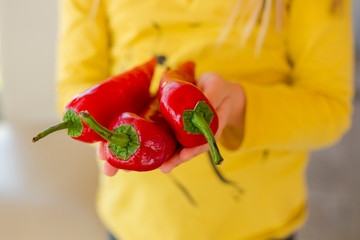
28 31
47 188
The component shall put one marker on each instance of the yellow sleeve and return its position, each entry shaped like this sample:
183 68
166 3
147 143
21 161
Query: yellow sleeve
83 59
313 110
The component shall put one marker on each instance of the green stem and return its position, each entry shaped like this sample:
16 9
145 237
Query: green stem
199 122
118 139
57 127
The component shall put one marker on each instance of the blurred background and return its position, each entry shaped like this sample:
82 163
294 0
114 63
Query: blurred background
47 190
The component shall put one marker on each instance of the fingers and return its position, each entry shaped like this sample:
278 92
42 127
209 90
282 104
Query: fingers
188 153
214 87
174 161
181 156
223 111
101 151
109 170
217 91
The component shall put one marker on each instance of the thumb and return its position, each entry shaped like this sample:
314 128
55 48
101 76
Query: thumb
101 150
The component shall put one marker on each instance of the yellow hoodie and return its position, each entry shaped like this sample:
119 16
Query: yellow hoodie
298 93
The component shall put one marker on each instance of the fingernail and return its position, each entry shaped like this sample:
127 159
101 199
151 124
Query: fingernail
165 170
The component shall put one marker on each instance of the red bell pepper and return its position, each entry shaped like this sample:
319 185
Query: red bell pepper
189 113
136 142
128 91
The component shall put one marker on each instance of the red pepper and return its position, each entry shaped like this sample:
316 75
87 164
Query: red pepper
189 113
140 142
136 142
128 91
152 111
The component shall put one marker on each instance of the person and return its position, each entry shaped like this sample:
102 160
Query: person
279 75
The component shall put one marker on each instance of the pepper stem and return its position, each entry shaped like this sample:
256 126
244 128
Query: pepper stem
55 128
199 121
71 122
119 139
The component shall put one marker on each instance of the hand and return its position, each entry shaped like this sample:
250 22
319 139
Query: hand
108 170
228 99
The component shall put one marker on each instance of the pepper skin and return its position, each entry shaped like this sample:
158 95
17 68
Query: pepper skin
188 111
149 138
126 92
152 111
137 142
